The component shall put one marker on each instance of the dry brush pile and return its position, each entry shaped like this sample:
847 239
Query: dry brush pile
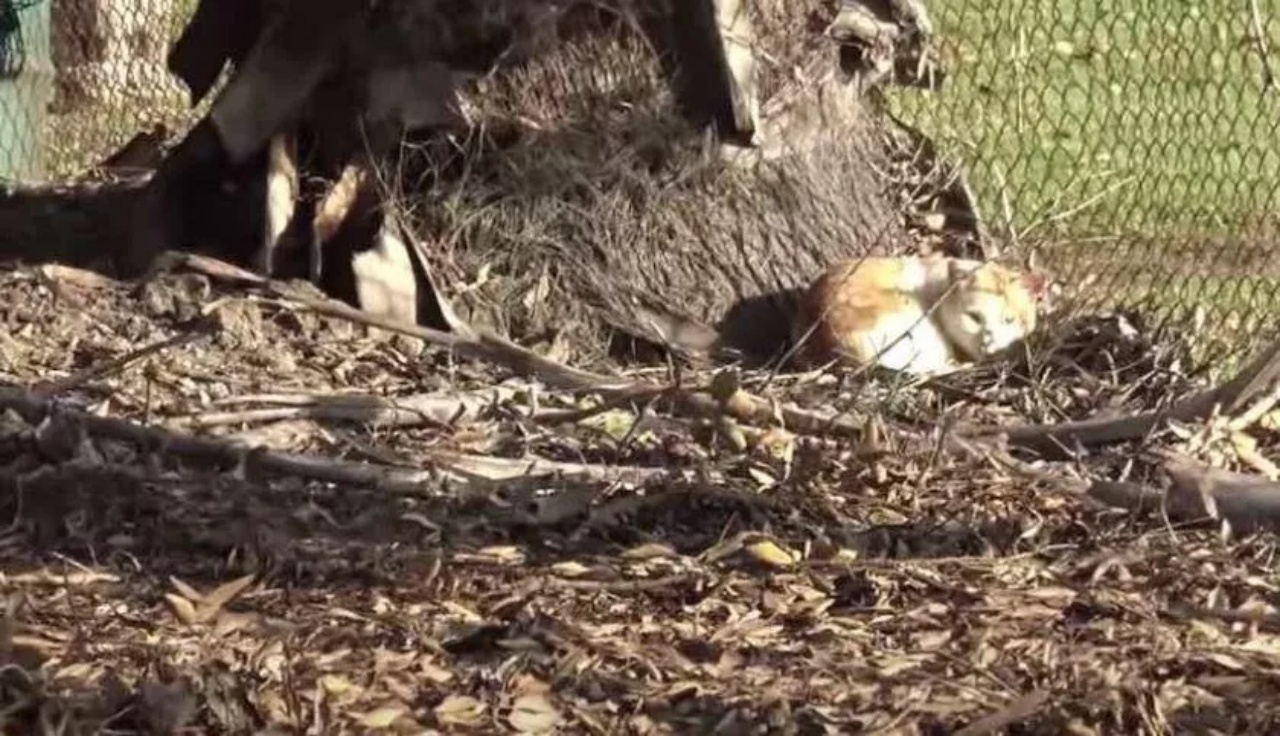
581 209
266 519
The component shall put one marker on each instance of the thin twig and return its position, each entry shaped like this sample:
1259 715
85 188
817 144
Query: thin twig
375 411
34 408
199 328
474 471
1057 440
1264 54
1263 620
627 586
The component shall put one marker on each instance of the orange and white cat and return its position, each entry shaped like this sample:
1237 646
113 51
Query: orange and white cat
921 315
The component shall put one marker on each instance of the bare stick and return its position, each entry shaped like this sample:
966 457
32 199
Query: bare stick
1057 440
373 411
200 328
1261 619
35 408
486 346
1198 492
476 472
627 586
1132 496
1247 502
501 471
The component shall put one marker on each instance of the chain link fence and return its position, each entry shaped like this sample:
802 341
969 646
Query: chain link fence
78 78
1130 144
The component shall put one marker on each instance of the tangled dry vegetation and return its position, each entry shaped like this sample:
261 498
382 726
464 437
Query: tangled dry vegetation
582 202
267 520
231 508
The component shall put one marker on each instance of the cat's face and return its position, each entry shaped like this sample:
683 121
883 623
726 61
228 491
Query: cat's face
990 307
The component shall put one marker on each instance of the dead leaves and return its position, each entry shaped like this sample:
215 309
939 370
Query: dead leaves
533 713
385 716
824 571
757 548
460 710
771 554
193 608
531 710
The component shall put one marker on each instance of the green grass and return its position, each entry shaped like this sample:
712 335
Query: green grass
1117 115
1134 140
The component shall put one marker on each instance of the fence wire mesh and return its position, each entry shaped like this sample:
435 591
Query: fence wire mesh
78 78
1130 144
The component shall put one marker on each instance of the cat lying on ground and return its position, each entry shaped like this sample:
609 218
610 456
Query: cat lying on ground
924 315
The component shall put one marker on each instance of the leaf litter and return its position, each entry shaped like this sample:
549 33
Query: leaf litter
513 579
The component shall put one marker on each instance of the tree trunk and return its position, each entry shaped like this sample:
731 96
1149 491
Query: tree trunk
606 209
110 51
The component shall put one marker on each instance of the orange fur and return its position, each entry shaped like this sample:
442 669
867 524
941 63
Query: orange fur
877 310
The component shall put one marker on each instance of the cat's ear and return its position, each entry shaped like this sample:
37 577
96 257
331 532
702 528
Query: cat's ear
1036 283
1044 291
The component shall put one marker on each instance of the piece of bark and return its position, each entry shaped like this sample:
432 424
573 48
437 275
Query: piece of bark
1247 502
1197 493
1060 441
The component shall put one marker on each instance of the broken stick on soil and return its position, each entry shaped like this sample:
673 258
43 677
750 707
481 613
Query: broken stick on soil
470 471
444 410
488 347
1198 493
1060 441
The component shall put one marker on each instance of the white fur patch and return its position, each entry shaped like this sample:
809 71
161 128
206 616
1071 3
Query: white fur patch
910 342
916 276
385 284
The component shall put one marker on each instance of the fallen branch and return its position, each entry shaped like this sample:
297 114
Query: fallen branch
484 471
374 411
1059 441
1264 620
1246 502
1198 493
483 346
474 472
646 585
1126 495
252 461
488 347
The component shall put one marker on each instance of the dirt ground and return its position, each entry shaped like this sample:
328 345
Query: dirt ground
629 570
